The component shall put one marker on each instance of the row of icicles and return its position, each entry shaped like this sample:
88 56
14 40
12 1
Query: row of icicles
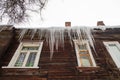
55 36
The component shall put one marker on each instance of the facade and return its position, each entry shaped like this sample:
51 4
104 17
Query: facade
29 59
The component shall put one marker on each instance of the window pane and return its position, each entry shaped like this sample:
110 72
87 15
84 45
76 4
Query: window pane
112 45
20 59
82 47
115 51
85 61
30 48
31 59
25 48
33 48
83 52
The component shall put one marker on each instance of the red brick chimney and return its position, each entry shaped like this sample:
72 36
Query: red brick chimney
67 24
100 23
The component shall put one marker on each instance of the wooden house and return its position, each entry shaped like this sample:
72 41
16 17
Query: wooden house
29 59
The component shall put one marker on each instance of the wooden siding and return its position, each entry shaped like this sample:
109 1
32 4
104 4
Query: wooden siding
63 65
6 37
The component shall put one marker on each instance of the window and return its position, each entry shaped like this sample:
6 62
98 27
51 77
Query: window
26 56
113 48
84 55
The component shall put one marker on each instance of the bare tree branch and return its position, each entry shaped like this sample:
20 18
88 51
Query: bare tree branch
15 10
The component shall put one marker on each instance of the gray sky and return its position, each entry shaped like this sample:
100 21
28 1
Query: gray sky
79 12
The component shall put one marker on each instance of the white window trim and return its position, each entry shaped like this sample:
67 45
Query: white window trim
106 43
78 56
17 53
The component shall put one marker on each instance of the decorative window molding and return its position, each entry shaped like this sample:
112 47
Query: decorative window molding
113 48
84 54
26 56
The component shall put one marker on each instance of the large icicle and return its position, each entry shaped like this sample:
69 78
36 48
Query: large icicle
22 33
2 28
41 33
69 34
51 41
33 33
55 37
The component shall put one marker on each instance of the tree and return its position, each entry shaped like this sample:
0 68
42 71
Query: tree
16 10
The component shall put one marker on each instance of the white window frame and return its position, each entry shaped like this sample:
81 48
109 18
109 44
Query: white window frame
18 51
76 42
107 43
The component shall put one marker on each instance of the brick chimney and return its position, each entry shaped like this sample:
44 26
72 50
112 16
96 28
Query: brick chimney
67 24
100 23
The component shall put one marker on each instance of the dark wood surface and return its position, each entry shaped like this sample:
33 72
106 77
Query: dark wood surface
63 65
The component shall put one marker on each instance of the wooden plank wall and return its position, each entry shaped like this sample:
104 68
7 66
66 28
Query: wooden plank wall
6 37
63 65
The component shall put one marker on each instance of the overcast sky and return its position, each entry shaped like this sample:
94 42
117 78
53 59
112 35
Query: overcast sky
79 12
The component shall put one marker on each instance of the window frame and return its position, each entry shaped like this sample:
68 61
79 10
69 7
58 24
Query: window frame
18 52
107 43
77 50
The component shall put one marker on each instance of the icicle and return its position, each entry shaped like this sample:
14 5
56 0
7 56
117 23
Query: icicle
79 35
22 33
41 33
10 28
74 33
90 38
3 28
69 34
62 37
33 33
55 37
51 42
47 36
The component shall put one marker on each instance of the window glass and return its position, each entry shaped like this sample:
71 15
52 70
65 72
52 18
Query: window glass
30 48
85 61
31 59
115 50
82 47
20 59
83 52
112 45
